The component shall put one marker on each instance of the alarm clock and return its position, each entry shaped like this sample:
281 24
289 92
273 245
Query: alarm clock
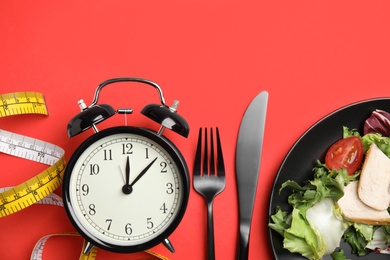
126 188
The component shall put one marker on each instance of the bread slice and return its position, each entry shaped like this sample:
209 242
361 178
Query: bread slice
353 209
374 183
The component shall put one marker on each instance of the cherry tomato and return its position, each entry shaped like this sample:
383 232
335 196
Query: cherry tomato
346 153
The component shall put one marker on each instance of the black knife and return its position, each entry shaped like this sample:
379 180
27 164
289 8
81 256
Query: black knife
248 154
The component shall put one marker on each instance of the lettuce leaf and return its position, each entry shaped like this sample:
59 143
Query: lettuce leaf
386 232
299 235
280 221
325 184
382 142
339 255
322 216
356 240
301 238
350 132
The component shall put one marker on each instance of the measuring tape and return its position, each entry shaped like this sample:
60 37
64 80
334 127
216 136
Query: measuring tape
22 103
40 186
38 249
39 189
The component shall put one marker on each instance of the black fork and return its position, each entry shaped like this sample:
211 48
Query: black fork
209 183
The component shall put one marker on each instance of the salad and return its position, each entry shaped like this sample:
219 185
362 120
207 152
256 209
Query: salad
318 220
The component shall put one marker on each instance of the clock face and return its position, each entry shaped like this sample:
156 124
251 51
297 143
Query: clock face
126 189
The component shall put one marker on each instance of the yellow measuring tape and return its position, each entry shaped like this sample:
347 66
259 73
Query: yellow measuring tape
20 103
40 188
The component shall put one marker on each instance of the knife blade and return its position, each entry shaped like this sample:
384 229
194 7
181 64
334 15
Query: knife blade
248 155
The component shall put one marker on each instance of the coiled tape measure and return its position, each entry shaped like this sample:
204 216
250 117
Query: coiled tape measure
35 189
40 188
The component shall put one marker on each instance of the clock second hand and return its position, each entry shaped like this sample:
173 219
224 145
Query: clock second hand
128 188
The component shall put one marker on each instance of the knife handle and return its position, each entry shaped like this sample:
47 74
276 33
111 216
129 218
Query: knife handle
243 242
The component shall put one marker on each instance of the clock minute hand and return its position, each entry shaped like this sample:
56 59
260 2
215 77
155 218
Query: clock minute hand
126 189
143 172
127 171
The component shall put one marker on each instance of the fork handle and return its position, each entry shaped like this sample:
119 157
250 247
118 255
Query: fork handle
210 232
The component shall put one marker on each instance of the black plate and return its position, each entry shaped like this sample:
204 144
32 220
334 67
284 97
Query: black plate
302 157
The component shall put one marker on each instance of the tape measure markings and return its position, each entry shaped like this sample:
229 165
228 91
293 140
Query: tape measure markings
43 184
19 103
32 191
37 252
29 148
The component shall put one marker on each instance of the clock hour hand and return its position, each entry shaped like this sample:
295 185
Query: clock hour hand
129 188
143 172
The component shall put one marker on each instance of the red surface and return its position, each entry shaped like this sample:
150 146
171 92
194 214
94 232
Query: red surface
214 56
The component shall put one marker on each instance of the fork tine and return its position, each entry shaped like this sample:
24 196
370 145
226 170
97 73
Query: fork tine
221 165
197 163
212 160
205 155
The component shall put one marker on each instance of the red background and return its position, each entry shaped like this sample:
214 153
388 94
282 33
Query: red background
213 56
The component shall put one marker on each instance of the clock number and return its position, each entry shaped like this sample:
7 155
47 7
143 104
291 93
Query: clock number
85 189
163 167
92 210
146 153
163 208
128 229
149 223
127 148
107 155
109 221
170 188
94 169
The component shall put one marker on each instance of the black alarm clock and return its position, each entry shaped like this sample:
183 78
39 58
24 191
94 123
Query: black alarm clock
126 188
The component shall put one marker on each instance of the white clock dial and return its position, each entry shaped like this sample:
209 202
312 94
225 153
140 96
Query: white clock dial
125 189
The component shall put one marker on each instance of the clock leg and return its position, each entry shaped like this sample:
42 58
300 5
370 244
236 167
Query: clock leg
88 248
168 245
